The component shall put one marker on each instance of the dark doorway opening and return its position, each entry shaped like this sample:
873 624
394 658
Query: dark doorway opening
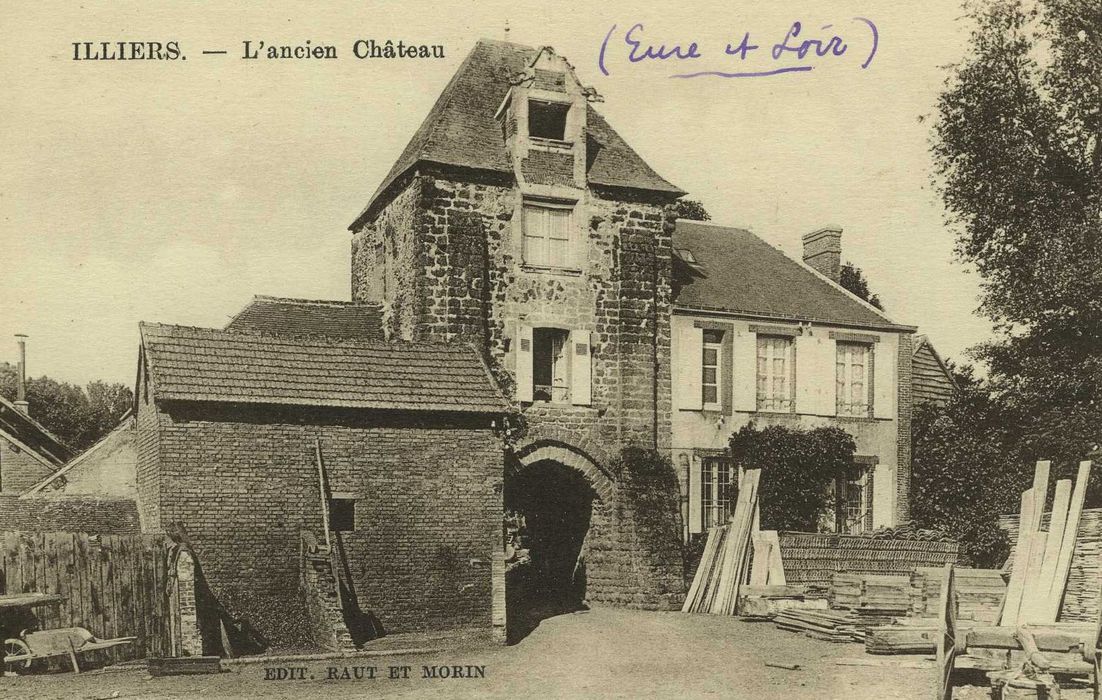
554 506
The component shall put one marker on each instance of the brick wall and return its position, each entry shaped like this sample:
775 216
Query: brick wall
18 470
467 283
548 168
147 441
905 405
244 484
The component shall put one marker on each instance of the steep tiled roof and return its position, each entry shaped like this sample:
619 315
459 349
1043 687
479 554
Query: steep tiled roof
32 435
204 364
734 270
91 514
460 129
343 320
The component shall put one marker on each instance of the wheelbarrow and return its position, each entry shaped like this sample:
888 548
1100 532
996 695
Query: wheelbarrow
20 652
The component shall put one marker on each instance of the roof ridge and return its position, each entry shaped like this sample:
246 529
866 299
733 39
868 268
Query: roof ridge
312 302
321 340
35 423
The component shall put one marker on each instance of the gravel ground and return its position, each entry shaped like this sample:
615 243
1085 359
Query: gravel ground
598 653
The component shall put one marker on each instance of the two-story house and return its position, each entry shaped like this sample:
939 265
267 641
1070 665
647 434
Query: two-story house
760 337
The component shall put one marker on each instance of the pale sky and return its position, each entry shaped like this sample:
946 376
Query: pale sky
172 191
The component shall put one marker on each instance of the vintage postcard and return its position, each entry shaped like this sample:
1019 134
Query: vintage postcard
551 349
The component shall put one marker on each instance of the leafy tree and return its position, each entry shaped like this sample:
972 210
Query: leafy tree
1018 150
78 417
965 472
851 278
798 469
691 209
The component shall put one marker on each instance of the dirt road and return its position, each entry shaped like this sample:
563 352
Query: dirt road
599 653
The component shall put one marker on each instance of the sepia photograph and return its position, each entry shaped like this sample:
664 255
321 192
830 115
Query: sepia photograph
550 349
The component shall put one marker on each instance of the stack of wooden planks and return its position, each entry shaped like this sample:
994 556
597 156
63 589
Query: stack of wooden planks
1042 558
765 602
980 593
725 564
828 625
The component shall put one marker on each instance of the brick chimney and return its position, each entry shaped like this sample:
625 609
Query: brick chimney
21 404
823 251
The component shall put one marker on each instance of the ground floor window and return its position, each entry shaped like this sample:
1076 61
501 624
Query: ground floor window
853 514
718 490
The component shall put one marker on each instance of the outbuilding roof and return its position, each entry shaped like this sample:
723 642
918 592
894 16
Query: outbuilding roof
29 434
719 268
204 364
91 514
344 320
461 129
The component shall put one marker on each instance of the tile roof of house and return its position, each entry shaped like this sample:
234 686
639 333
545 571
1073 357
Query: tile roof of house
32 435
344 320
736 271
93 514
461 129
204 364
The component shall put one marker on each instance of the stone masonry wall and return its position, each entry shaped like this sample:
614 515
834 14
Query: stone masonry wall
244 483
472 286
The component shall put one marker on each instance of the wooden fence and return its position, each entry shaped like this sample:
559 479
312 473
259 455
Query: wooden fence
113 585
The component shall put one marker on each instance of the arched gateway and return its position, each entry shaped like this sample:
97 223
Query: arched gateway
556 500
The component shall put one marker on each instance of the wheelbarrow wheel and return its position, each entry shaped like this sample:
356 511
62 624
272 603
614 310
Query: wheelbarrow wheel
17 647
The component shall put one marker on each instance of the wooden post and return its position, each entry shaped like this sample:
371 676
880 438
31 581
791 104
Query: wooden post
321 492
947 646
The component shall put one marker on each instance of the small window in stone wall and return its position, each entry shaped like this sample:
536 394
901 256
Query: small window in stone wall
342 514
547 120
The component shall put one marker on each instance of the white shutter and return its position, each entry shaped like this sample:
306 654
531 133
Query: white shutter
524 363
581 368
884 380
690 356
828 354
809 374
696 519
744 371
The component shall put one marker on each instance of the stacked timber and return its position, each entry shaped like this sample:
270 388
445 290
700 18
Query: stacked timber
1042 557
725 565
816 557
980 593
828 625
765 602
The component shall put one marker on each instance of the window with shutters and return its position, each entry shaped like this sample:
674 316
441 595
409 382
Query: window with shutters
775 374
549 235
718 490
854 390
550 365
711 376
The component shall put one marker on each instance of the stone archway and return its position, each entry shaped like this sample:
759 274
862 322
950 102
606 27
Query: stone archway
560 499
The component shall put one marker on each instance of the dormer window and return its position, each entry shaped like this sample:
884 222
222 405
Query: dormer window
547 120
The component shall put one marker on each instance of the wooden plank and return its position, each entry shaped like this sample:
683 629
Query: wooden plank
759 571
1041 593
946 641
1031 595
1067 542
703 569
735 568
1015 588
776 575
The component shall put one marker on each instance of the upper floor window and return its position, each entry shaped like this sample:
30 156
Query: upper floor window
547 120
852 379
775 370
550 365
548 234
711 376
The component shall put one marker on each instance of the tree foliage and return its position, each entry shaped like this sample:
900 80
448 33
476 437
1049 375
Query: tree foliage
1018 150
965 472
798 469
853 279
78 417
691 209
